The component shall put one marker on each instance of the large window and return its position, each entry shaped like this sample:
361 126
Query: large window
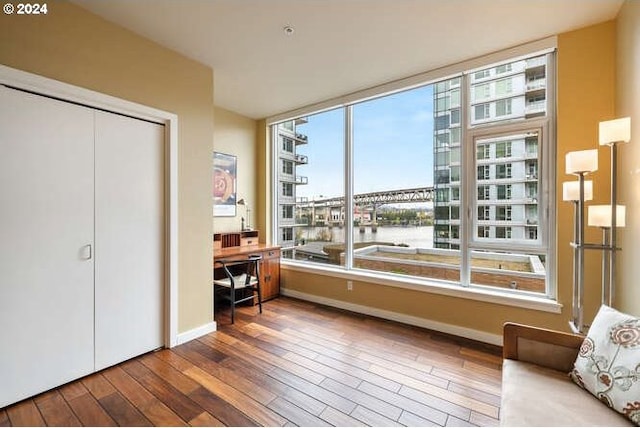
443 181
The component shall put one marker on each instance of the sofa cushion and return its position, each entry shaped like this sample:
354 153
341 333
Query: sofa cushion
608 364
538 396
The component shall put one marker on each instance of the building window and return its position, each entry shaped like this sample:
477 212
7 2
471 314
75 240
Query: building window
503 149
504 87
503 232
483 212
482 111
442 195
287 167
442 141
504 68
482 74
360 157
287 145
503 107
287 189
483 172
503 170
482 92
455 193
455 174
287 234
287 211
455 135
503 213
455 117
483 151
455 212
504 191
483 193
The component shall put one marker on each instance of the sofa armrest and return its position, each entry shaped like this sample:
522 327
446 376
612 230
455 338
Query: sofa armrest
547 348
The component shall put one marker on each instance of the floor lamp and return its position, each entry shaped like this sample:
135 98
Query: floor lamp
608 217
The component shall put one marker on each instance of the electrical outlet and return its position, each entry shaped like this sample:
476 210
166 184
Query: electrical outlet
513 285
349 285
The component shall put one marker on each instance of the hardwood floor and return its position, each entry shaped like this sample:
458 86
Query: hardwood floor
296 364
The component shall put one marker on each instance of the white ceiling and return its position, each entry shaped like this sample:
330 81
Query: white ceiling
339 46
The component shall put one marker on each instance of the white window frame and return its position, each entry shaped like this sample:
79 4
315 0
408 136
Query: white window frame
546 221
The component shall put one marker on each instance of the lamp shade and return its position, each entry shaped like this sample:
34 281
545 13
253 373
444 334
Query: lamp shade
581 161
571 190
615 131
600 215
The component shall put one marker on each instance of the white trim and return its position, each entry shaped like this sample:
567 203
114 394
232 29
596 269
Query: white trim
443 73
455 330
42 85
482 294
195 333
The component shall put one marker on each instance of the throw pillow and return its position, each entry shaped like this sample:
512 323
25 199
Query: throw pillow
608 364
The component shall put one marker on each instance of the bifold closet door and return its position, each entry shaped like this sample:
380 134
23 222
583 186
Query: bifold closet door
129 227
46 238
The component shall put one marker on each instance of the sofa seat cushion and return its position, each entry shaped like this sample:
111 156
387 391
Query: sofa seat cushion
538 396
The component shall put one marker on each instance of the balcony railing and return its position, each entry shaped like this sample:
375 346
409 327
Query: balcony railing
301 139
535 84
535 107
301 179
302 159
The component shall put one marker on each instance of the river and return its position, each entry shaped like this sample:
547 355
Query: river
413 236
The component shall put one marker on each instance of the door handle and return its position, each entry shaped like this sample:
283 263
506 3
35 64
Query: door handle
87 252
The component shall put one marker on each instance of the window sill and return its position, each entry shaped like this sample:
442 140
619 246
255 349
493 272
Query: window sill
542 304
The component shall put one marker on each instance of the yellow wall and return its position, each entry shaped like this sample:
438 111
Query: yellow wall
586 71
586 96
74 46
628 104
264 185
236 135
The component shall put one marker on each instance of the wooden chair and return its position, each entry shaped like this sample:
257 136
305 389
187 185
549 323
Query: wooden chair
241 275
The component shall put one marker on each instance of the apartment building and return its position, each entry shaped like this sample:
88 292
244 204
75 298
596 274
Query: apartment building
506 190
288 179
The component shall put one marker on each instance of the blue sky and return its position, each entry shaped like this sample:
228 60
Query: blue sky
393 146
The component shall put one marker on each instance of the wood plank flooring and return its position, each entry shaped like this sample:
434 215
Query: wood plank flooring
296 364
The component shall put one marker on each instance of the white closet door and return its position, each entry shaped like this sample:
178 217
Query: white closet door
46 229
129 238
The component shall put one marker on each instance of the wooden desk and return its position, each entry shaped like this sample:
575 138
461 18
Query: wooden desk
269 266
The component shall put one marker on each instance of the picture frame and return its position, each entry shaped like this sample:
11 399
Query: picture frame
225 172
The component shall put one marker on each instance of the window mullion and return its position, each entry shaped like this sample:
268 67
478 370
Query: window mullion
348 186
466 178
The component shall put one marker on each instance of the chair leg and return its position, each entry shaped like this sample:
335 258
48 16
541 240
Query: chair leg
259 288
233 303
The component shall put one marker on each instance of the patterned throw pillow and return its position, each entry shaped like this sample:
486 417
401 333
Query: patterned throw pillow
608 364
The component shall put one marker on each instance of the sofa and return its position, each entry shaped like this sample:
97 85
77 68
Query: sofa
536 387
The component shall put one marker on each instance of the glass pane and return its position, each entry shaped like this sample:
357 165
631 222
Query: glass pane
510 270
393 182
508 189
311 182
516 90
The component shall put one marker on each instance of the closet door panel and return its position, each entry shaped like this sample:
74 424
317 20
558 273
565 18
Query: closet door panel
129 238
46 229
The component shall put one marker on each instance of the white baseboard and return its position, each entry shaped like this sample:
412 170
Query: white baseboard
196 333
455 330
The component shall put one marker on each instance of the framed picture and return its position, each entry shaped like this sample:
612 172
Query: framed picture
224 185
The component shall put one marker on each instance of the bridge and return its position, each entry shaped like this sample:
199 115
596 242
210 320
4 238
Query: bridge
330 211
418 194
